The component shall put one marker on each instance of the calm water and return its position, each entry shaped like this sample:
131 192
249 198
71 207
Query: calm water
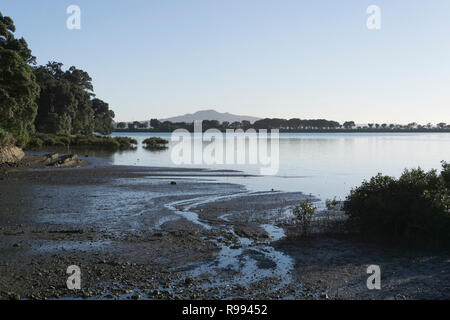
324 165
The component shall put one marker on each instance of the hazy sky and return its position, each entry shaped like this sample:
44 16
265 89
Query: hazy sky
267 58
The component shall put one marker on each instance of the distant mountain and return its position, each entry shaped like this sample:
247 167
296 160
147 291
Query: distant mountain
211 115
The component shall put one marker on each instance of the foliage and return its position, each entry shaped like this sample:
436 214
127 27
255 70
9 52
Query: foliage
65 105
54 100
103 117
18 87
5 137
121 125
414 209
331 204
9 42
155 143
86 141
304 213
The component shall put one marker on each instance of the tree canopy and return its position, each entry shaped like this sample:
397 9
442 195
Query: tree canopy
48 98
103 117
18 87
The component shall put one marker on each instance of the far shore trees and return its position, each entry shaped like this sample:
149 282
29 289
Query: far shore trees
349 125
284 125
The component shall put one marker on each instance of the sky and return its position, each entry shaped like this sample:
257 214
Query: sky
265 58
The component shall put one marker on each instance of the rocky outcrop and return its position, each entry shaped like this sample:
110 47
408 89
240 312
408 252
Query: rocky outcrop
64 161
11 154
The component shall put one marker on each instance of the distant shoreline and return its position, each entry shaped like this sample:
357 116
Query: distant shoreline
312 130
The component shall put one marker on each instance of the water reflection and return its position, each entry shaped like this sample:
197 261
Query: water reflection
325 165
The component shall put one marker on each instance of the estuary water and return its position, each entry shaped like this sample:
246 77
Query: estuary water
325 165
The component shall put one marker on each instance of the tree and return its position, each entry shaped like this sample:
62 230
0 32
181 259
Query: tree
136 124
121 125
143 125
155 123
9 42
246 124
57 104
103 117
18 87
441 125
349 124
235 125
294 123
65 105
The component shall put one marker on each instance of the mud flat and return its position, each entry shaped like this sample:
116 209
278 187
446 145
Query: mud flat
165 233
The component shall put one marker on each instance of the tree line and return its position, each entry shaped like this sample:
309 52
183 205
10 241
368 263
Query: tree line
45 99
285 125
215 124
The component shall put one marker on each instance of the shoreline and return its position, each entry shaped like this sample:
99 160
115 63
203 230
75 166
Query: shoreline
135 235
304 131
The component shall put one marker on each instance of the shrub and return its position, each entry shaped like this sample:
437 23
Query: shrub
35 143
64 140
49 141
126 142
155 143
5 137
22 140
304 214
86 141
414 209
331 204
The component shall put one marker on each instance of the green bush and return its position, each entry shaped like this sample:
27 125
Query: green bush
86 141
413 210
304 214
5 137
155 143
331 204
64 140
35 142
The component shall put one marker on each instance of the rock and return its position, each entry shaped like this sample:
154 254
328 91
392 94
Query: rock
68 158
324 296
11 154
14 296
136 296
189 281
53 156
57 161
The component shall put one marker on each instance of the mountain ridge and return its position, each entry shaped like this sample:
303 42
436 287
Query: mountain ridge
210 114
